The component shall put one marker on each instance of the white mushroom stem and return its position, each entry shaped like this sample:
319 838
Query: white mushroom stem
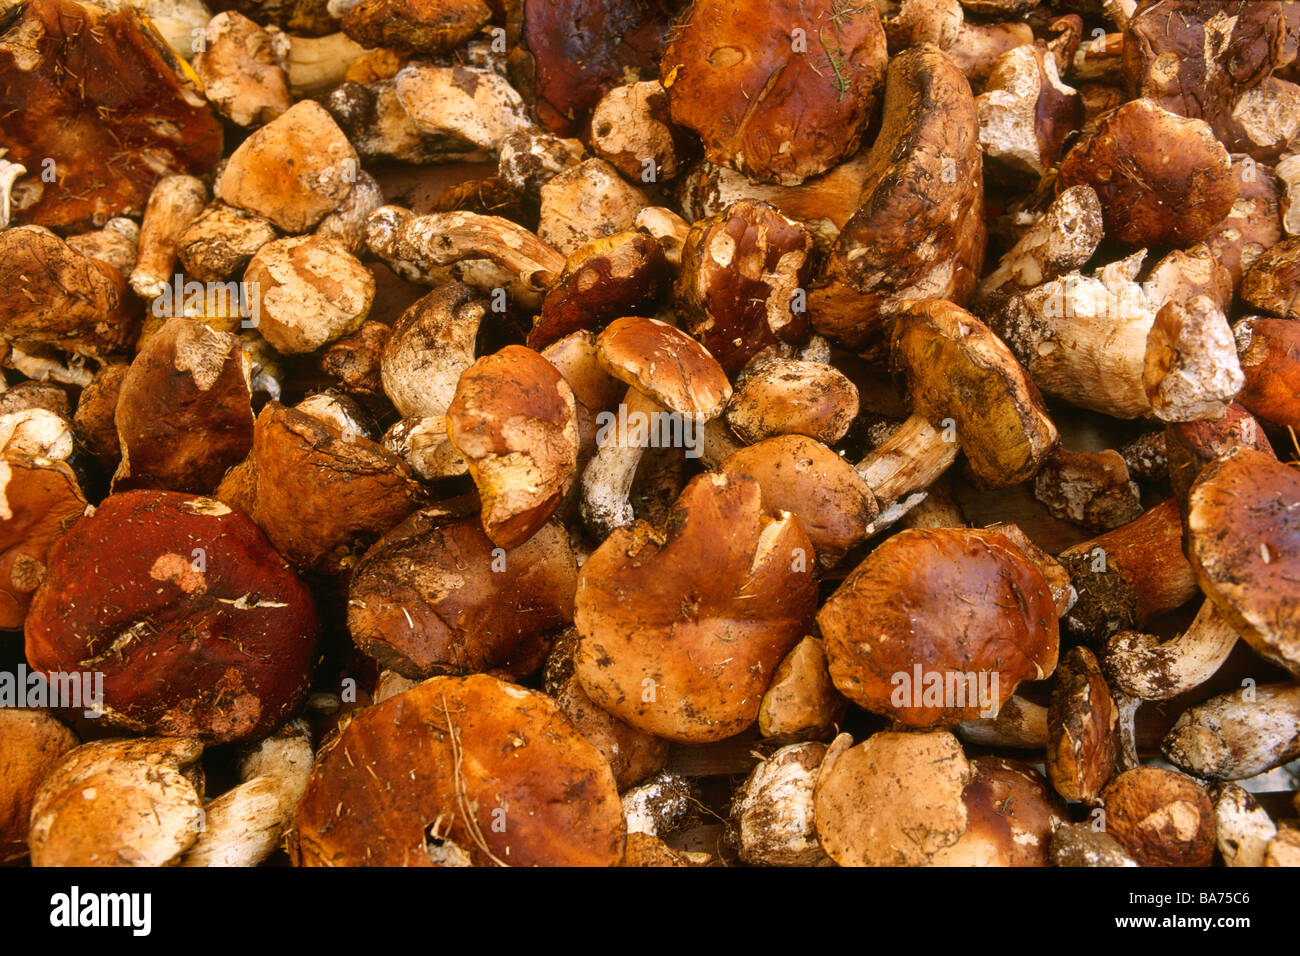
9 173
607 480
1140 665
1243 829
174 203
423 444
1063 239
1126 707
912 458
243 826
1020 723
37 432
1239 734
443 239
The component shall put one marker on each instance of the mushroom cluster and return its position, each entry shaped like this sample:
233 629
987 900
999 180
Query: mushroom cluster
676 433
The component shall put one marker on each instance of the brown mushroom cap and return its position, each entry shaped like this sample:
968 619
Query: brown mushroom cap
1160 817
1082 727
1269 350
1011 815
682 631
468 764
1174 195
802 702
793 397
833 503
1270 284
893 800
919 630
435 596
420 25
957 368
765 104
39 500
32 742
514 420
740 272
666 364
1243 540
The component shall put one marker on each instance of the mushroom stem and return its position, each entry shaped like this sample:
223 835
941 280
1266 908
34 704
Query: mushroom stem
607 480
1238 734
1243 829
317 64
174 203
9 173
1020 723
1127 708
911 459
1140 665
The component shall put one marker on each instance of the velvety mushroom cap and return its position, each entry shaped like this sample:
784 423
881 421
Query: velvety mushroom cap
683 629
471 770
957 368
1243 540
766 104
1160 817
833 503
435 596
893 800
666 364
919 630
198 625
515 422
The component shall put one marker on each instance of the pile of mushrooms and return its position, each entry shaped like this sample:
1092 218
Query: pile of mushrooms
806 433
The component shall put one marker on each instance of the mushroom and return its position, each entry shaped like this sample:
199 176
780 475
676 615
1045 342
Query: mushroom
355 361
467 105
1243 829
1127 576
94 420
631 130
427 28
321 496
939 626
893 800
1190 446
1090 488
585 202
32 743
793 397
741 275
1269 352
915 234
119 803
1269 285
1079 844
467 771
802 702
1019 723
528 159
1284 849
199 628
431 345
423 444
1238 734
690 658
1026 112
347 223
239 70
1254 223
1143 666
243 826
1161 818
292 171
221 242
514 420
594 390
176 201
1083 728
1012 815
781 104
1243 540
435 595
41 500
673 384
772 811
131 114
662 805
308 291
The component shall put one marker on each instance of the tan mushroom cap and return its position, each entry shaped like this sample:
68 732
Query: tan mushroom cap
470 770
1160 817
1243 540
666 364
957 368
964 608
32 742
793 397
683 630
893 800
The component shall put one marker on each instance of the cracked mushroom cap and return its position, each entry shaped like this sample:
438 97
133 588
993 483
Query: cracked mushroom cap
775 104
938 626
39 500
120 803
1160 817
515 421
465 771
1243 540
957 368
1083 728
893 800
435 596
198 626
666 364
682 629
